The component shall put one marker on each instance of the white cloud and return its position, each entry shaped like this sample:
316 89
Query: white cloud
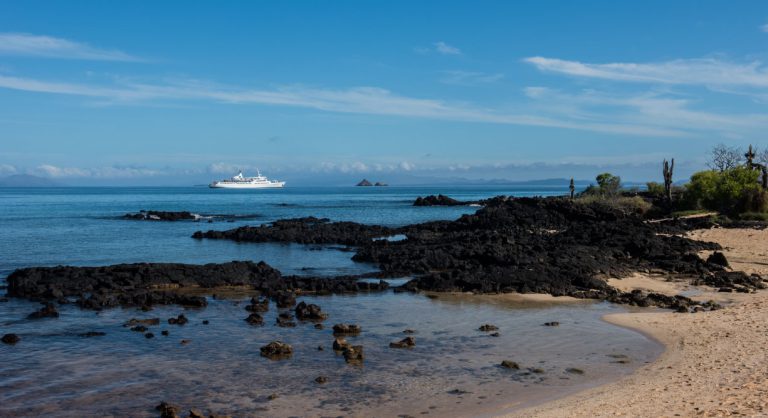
360 100
469 78
345 167
7 169
109 172
45 46
406 166
223 168
704 71
446 49
764 28
652 110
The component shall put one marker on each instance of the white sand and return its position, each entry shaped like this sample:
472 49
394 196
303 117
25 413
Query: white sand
715 363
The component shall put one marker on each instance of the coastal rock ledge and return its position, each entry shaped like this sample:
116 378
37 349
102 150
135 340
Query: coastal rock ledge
146 284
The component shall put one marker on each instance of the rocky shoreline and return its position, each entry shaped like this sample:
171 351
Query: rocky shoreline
524 245
147 284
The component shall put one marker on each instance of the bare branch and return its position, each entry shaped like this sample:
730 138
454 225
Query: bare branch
723 157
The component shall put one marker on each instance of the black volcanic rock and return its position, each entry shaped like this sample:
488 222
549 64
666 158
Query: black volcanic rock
156 215
308 230
439 200
148 284
718 258
526 245
310 312
276 350
47 311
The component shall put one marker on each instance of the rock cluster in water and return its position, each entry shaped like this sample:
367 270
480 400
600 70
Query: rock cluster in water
158 215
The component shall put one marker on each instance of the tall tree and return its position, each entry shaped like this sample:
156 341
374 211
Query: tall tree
723 157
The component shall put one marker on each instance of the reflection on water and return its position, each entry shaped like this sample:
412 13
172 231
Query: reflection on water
453 370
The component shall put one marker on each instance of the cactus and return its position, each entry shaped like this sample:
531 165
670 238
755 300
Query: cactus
668 169
750 156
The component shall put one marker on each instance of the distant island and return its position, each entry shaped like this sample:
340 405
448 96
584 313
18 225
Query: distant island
366 183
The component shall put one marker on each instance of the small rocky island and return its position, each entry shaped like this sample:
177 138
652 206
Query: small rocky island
366 183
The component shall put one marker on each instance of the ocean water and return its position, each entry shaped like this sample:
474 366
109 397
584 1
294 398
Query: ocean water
452 371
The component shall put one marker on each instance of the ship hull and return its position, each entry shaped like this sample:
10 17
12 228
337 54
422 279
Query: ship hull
220 185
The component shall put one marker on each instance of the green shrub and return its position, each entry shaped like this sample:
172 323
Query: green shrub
730 191
634 204
608 183
754 216
655 189
753 200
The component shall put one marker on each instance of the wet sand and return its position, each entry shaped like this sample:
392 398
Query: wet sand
715 363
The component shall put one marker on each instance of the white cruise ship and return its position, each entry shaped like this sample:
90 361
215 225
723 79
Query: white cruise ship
241 182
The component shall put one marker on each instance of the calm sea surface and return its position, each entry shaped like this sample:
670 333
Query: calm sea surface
451 372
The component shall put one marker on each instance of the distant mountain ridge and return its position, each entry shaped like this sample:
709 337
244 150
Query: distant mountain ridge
27 180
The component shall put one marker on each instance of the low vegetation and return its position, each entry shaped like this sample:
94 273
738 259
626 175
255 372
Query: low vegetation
736 185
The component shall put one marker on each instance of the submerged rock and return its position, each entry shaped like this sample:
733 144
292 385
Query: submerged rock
150 321
258 305
340 344
407 342
167 410
10 339
347 329
321 379
310 311
488 328
179 320
285 323
255 319
47 311
509 364
353 353
92 334
285 299
277 350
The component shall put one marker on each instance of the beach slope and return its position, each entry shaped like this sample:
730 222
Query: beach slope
715 363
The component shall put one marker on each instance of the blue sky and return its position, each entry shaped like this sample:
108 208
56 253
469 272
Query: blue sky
179 92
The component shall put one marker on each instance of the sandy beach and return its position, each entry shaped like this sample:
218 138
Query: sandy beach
715 363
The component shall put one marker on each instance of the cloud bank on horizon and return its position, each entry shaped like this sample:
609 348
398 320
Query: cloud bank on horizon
470 108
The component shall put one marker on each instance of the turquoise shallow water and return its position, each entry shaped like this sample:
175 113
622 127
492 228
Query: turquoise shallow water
453 370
